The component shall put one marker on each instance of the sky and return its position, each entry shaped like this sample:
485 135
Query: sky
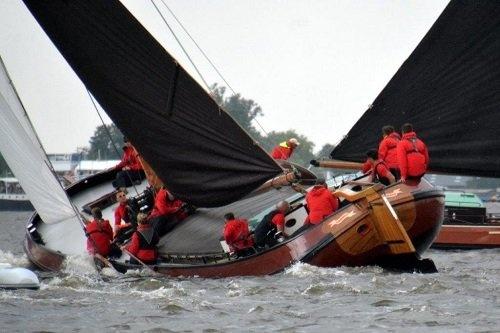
313 66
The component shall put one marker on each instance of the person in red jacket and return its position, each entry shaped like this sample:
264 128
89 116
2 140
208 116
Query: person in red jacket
271 230
320 203
413 157
130 167
237 236
124 220
143 243
99 234
167 211
284 150
380 171
387 149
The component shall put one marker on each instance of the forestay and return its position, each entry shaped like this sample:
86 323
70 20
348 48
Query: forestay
195 148
449 90
25 156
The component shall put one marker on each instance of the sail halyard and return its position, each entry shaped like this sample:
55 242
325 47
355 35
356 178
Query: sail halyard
448 89
195 148
24 153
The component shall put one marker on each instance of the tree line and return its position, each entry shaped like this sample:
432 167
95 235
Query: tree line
106 142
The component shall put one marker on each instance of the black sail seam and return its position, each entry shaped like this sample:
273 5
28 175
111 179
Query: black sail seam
171 92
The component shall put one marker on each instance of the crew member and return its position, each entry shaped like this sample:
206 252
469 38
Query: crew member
320 203
123 217
284 150
387 149
272 227
130 167
167 211
413 157
380 171
99 234
143 243
237 236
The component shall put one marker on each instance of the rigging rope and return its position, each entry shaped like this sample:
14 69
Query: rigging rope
201 51
108 133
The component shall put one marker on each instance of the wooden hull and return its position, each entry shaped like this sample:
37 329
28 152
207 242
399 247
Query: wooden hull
347 238
468 236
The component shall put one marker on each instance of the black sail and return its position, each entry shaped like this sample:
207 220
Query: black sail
195 148
449 89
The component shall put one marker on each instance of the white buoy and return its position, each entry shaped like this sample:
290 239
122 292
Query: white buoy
17 277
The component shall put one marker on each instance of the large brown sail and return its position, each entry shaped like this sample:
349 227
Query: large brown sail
449 89
195 148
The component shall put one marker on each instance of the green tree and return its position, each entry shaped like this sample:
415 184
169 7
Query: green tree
102 145
302 154
244 111
325 151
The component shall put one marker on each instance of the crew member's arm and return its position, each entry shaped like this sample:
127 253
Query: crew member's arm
386 173
382 150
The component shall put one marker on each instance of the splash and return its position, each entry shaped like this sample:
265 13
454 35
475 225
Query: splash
14 260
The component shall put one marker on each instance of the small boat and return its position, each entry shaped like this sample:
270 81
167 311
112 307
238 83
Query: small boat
204 158
12 196
17 278
467 224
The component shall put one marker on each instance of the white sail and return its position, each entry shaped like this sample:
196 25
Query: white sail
25 156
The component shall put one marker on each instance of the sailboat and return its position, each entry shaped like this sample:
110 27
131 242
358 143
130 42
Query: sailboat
198 151
449 90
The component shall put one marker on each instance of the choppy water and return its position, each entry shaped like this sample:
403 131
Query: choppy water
462 297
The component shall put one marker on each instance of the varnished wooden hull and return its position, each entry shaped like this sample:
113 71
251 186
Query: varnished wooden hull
468 236
347 238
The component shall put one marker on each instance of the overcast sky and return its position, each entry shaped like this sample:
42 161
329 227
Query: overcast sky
313 66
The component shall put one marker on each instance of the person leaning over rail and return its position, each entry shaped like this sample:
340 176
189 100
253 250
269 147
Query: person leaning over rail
320 203
99 234
238 236
271 230
285 149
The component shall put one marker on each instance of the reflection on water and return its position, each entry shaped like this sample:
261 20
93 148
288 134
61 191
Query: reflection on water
463 296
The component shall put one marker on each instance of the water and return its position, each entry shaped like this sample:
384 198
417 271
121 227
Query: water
462 297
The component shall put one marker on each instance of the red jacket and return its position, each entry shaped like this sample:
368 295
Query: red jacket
282 151
165 206
99 237
381 170
413 157
387 150
121 213
140 247
237 235
129 159
321 203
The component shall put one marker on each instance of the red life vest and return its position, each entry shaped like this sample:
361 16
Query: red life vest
129 159
237 235
412 156
165 206
321 203
387 150
99 237
282 152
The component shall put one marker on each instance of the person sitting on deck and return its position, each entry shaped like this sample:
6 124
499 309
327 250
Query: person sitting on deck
123 217
320 203
237 236
99 234
143 243
130 167
272 227
387 149
413 157
380 171
167 211
284 150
